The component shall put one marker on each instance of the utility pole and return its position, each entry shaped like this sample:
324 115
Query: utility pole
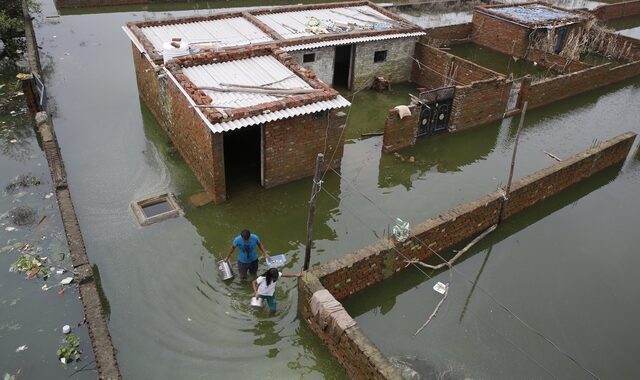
312 209
513 163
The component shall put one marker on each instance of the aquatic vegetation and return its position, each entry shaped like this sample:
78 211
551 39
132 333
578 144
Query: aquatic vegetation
69 351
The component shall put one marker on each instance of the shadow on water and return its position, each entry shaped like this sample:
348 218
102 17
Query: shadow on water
441 153
383 295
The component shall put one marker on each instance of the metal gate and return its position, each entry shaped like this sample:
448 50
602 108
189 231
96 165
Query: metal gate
436 110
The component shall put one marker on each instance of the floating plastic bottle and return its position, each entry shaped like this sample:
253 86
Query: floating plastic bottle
401 230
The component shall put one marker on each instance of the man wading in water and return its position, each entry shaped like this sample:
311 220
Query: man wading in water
247 254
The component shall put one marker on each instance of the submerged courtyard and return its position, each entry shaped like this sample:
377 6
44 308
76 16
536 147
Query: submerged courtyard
566 265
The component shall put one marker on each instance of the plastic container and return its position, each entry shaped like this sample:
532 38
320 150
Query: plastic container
276 261
226 272
256 302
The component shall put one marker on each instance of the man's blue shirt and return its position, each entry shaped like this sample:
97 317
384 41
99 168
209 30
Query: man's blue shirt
247 252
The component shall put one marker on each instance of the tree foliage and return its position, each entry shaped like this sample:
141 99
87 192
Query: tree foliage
11 27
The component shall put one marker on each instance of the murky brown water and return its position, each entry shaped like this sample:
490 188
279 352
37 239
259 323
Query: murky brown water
567 267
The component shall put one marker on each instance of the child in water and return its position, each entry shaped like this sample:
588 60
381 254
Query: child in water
265 286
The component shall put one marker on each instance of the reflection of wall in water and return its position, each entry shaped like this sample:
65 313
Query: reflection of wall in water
442 153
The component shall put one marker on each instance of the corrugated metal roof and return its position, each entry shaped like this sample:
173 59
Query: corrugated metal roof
535 13
338 102
347 41
294 24
255 71
235 31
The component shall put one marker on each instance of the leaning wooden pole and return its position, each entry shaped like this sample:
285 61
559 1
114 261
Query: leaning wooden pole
513 162
315 189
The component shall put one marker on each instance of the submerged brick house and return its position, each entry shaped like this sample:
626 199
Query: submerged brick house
261 81
226 117
573 52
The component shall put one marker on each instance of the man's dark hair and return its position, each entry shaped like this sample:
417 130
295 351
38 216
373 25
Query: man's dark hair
245 234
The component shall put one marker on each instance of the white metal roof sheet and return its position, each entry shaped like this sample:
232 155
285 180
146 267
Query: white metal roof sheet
347 41
338 102
255 71
235 31
294 24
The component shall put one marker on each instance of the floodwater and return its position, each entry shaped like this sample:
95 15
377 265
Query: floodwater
31 318
498 62
629 26
171 315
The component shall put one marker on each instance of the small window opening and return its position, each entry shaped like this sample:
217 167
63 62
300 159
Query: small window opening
154 209
309 57
380 56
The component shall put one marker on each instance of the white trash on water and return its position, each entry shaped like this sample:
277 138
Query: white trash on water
66 281
440 288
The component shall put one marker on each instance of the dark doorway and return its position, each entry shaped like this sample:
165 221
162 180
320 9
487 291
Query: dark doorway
561 35
342 67
242 157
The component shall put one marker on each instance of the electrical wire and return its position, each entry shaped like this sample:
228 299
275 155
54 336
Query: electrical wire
430 278
502 305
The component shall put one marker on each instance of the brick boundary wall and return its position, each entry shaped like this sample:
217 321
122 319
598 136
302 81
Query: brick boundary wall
479 103
554 89
616 11
364 267
448 34
97 326
431 66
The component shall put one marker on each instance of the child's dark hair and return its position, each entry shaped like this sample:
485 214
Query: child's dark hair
245 234
271 275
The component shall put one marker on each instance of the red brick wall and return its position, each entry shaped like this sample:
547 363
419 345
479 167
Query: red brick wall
148 85
435 65
292 145
615 11
357 270
354 351
479 103
554 89
201 149
364 267
544 183
400 133
449 34
499 35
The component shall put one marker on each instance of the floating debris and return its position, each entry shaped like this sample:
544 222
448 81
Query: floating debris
66 281
22 181
69 350
66 329
23 215
24 347
31 265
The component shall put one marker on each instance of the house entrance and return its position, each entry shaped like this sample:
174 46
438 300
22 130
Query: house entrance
243 157
435 111
342 66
